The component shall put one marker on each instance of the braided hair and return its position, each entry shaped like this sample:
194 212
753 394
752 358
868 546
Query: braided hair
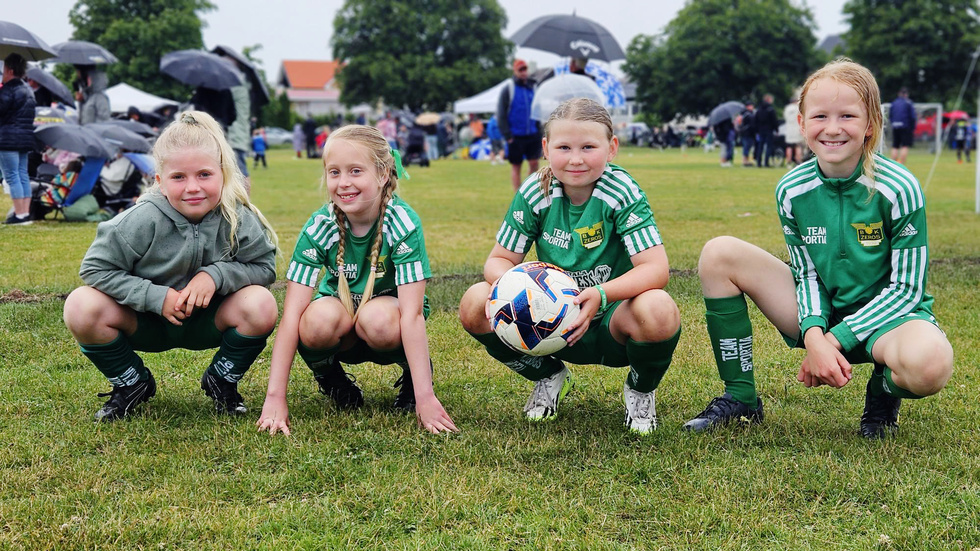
378 150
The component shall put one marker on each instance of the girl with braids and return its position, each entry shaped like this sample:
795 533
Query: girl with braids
854 290
370 304
590 218
186 267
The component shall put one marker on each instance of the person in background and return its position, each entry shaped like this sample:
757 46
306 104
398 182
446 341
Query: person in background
93 103
16 137
902 116
258 148
521 132
299 140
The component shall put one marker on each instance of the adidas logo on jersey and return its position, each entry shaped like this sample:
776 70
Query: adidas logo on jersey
787 230
632 220
909 231
519 216
311 254
403 249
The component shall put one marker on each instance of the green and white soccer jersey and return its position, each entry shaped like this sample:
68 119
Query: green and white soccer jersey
593 241
402 258
859 258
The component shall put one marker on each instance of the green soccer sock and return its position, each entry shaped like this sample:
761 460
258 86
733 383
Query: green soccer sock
649 362
117 361
894 390
318 360
533 368
730 332
236 354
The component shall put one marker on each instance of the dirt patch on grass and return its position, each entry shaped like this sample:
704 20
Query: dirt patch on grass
20 297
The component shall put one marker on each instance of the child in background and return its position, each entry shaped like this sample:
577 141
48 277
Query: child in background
370 304
590 218
259 147
854 292
186 267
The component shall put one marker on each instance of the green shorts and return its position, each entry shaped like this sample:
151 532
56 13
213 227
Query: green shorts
597 346
862 354
361 352
155 334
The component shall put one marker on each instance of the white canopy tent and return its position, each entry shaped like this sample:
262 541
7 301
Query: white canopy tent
122 96
484 102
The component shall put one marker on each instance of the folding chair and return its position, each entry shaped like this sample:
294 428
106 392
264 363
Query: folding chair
84 183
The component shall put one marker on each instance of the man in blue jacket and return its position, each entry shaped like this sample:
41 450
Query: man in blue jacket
516 125
901 115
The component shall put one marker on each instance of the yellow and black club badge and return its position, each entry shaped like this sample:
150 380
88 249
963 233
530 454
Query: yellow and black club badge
380 266
869 235
591 236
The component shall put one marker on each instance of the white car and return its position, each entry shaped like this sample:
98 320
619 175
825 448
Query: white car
277 136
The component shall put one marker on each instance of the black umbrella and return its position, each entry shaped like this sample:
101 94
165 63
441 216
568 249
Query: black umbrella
200 68
728 110
259 93
15 39
569 36
80 52
74 138
134 126
120 137
51 83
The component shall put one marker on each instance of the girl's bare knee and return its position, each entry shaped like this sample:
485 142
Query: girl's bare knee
472 308
655 315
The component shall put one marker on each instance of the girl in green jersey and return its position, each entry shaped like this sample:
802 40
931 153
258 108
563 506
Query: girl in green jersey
370 304
590 218
854 291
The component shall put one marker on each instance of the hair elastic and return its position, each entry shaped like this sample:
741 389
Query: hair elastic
187 118
399 169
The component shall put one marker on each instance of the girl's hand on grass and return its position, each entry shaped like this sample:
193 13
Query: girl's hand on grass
197 294
170 311
433 417
589 301
274 417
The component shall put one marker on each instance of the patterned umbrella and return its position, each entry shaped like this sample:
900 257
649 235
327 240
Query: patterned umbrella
612 88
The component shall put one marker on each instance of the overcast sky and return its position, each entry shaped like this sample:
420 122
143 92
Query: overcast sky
301 29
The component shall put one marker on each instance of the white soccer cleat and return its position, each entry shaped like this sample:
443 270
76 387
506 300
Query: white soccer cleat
547 394
641 410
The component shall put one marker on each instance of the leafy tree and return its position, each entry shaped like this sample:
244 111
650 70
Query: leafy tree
924 45
420 54
719 50
139 33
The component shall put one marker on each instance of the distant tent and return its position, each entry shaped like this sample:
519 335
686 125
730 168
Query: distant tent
123 96
484 102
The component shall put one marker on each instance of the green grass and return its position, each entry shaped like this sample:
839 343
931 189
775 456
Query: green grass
178 477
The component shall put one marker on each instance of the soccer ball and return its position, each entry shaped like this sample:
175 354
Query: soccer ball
531 308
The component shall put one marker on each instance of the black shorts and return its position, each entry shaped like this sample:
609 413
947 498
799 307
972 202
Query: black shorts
902 137
524 147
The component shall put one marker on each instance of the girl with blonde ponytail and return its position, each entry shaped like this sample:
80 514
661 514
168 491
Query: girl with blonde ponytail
370 305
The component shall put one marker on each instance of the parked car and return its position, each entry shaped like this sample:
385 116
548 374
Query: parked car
277 136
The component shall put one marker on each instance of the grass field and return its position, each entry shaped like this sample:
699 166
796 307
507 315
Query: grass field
178 477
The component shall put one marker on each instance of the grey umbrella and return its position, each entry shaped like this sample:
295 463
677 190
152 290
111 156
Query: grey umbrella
200 68
51 83
121 137
137 127
259 92
728 110
74 138
80 52
15 39
569 36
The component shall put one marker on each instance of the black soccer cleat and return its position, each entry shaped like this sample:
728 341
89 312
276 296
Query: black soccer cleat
224 393
880 417
724 410
122 399
340 386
